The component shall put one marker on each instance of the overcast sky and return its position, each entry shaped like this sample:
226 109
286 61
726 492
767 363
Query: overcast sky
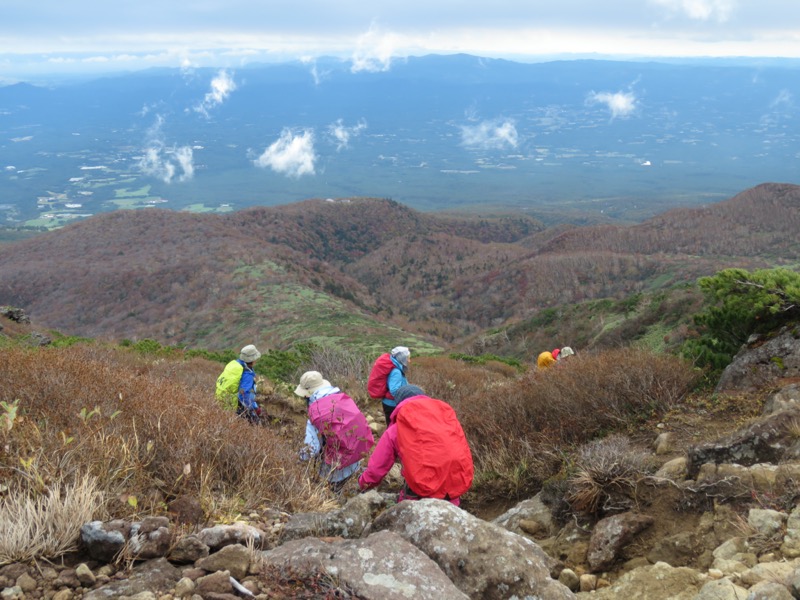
69 36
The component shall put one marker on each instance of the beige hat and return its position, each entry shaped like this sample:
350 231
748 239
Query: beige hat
249 354
402 354
310 382
566 351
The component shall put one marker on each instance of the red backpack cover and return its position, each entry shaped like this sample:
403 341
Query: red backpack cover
437 462
378 382
348 437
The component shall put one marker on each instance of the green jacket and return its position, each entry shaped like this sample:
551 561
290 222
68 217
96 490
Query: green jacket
228 385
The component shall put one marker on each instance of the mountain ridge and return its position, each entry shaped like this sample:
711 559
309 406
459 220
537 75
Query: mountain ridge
318 269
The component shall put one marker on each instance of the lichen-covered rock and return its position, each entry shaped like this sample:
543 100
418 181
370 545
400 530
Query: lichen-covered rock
382 566
483 559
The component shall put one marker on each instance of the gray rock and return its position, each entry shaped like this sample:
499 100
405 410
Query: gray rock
218 582
784 399
382 566
234 558
482 559
767 522
85 575
611 535
674 470
755 368
188 549
532 509
185 587
675 583
26 583
769 590
768 440
150 538
104 541
17 315
156 575
223 535
12 593
350 521
721 589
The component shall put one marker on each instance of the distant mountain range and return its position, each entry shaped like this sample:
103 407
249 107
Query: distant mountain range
568 141
367 271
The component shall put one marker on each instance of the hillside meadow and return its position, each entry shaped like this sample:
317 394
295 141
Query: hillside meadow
370 272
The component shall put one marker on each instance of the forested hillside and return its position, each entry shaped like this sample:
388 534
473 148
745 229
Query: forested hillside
368 269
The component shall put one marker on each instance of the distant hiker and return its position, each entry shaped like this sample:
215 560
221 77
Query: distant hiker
565 353
545 360
236 386
555 352
425 435
388 374
336 430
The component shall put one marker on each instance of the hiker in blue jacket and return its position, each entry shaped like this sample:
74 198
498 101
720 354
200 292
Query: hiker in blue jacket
401 356
236 386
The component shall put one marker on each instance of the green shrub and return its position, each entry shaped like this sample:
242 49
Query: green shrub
738 304
482 359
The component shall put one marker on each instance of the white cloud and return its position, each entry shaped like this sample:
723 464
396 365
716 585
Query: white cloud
167 163
621 104
780 109
342 134
374 51
700 10
784 98
221 87
493 134
292 154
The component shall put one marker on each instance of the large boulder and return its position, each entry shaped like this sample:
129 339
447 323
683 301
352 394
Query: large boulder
382 566
771 439
483 559
760 363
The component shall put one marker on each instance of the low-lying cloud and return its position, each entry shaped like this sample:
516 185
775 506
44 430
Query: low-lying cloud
700 10
487 135
291 155
342 134
374 51
221 87
620 104
167 163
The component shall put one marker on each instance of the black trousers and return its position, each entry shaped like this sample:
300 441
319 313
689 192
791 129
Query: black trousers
387 411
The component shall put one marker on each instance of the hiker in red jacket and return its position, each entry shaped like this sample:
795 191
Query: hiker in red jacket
425 435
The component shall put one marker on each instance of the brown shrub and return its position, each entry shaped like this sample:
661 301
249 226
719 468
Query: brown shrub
605 476
520 426
143 432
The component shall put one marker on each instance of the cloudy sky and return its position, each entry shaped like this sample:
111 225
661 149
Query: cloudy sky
86 35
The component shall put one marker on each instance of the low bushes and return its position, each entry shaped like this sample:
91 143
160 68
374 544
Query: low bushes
145 430
520 428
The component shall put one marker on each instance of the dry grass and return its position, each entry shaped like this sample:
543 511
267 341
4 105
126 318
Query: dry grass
148 430
143 431
606 474
34 525
521 426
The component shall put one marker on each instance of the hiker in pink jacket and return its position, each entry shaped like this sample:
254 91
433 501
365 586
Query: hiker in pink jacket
386 452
